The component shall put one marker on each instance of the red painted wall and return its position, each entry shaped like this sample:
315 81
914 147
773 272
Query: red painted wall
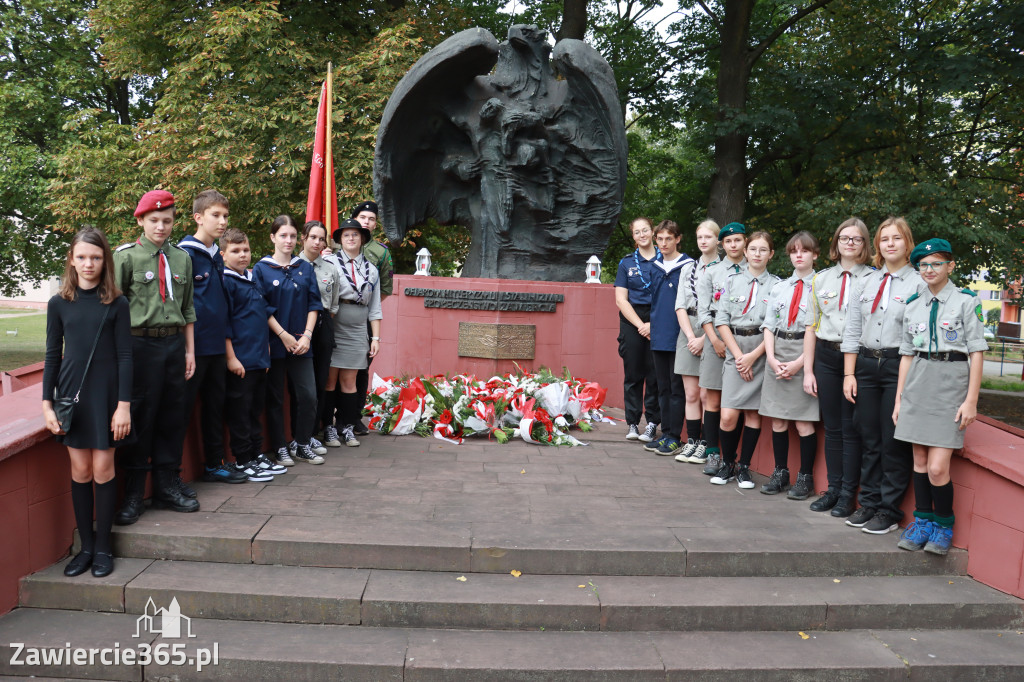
581 335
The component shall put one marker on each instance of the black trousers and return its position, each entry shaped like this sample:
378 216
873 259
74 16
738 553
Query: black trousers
298 370
886 463
638 371
158 408
842 439
671 393
208 382
246 395
321 344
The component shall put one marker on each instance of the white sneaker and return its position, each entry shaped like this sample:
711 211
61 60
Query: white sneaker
331 437
263 463
253 473
684 454
305 453
349 437
316 446
648 435
284 457
633 433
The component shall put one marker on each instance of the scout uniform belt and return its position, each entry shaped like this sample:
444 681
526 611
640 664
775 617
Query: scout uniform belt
949 356
157 331
791 336
746 331
879 353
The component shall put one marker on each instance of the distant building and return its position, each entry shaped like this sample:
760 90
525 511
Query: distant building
34 294
996 294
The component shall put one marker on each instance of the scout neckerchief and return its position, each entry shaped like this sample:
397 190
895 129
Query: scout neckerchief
165 272
693 275
882 291
750 298
639 271
352 277
933 331
842 289
794 303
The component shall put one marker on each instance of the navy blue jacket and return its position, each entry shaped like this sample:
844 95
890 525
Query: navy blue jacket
248 314
665 286
211 327
291 292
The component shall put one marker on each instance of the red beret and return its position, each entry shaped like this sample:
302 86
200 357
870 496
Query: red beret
154 200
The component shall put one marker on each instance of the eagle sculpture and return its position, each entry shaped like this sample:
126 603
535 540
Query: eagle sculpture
528 153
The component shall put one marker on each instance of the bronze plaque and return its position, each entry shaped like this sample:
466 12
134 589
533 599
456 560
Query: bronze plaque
497 341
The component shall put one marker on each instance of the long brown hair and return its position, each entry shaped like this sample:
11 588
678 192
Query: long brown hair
107 289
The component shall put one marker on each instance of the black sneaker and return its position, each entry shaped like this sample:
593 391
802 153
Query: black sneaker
778 482
743 479
224 474
713 464
826 502
881 523
725 473
803 487
304 453
263 463
654 446
252 472
360 429
860 517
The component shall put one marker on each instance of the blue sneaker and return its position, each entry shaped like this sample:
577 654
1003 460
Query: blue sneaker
653 447
915 536
223 474
940 539
669 446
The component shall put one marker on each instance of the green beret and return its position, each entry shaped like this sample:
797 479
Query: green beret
928 248
731 228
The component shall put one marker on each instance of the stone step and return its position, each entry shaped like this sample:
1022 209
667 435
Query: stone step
830 549
274 651
422 599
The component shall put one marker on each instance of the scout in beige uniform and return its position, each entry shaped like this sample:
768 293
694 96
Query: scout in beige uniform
740 314
831 293
940 374
690 344
782 392
710 288
871 340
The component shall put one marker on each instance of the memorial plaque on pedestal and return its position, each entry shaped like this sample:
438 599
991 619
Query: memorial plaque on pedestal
497 341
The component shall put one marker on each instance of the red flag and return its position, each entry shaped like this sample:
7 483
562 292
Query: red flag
322 200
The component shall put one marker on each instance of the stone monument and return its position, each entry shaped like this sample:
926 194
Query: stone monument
528 153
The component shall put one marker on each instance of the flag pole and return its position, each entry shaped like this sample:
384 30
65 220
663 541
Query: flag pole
329 166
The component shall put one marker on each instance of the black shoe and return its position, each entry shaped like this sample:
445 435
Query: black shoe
881 523
844 507
102 565
131 509
826 501
860 517
166 494
79 565
778 482
185 488
803 487
360 429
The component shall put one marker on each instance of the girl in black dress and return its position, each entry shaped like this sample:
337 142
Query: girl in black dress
88 300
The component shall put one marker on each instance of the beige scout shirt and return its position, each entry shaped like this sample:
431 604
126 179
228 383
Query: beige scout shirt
884 327
958 324
831 301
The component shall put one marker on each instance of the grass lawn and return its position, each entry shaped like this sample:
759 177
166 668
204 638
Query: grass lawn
1003 384
28 347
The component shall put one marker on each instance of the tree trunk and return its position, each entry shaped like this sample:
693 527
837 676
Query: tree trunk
728 195
574 20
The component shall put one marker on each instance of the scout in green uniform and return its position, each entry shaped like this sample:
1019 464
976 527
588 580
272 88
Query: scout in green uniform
379 257
942 353
156 278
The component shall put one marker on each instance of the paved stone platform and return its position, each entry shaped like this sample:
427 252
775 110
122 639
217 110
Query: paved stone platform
411 558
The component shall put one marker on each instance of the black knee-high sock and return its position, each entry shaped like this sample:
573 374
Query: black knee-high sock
711 428
81 502
808 450
348 410
730 439
943 497
922 495
693 429
750 438
330 406
780 448
106 506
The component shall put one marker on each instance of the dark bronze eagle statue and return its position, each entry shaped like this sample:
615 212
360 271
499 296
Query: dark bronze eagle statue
528 153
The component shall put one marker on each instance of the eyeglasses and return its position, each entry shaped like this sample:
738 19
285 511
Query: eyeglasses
934 266
851 240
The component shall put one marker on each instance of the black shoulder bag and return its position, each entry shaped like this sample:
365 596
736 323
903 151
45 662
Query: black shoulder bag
65 407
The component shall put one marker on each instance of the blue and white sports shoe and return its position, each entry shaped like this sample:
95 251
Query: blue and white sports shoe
940 540
915 536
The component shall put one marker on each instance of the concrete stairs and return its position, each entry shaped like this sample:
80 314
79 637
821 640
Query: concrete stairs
395 562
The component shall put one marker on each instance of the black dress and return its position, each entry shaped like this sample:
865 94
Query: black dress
73 326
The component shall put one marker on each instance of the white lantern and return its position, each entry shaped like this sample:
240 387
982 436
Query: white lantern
422 262
593 271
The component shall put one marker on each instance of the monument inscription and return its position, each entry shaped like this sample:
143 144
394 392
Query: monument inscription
497 341
506 301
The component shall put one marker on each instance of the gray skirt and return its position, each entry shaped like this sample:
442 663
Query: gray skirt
351 342
786 399
934 391
710 367
688 364
738 394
